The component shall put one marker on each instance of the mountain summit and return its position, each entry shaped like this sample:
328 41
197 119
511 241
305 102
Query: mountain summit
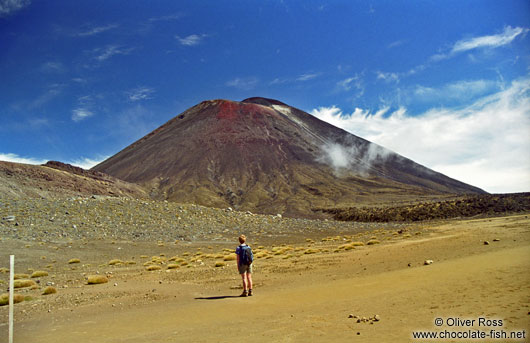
265 156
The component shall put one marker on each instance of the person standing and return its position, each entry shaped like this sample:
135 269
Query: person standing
244 265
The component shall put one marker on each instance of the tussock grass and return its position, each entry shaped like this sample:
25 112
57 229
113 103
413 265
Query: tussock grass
357 244
4 270
4 299
130 262
311 251
97 279
231 257
20 276
185 253
49 290
373 242
74 260
23 283
407 235
115 262
220 264
144 256
173 266
39 273
153 268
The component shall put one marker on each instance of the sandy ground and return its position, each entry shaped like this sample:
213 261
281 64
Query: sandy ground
307 298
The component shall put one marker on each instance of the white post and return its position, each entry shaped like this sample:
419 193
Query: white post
11 294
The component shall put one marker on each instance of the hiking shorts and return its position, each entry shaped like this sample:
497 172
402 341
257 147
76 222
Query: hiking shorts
244 268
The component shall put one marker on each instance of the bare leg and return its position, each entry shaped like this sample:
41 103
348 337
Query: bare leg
243 276
249 280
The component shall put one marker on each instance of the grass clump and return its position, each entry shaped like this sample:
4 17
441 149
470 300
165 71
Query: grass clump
153 268
173 266
220 264
4 299
23 283
49 290
4 270
373 242
20 276
74 260
115 262
231 257
97 279
311 251
39 273
357 244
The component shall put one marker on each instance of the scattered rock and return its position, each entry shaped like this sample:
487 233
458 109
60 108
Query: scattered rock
427 262
486 243
496 240
9 218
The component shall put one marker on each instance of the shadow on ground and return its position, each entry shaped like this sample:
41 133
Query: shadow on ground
217 297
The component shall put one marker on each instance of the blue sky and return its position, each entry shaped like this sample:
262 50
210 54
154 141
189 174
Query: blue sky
445 83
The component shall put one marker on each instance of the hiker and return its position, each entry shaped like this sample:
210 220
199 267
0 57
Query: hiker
244 265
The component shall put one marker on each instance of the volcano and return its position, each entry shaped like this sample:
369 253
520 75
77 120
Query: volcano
264 156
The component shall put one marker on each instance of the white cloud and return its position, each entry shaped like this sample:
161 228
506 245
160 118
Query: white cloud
352 82
492 41
86 163
95 30
103 54
243 83
166 17
52 67
388 77
9 157
191 39
80 114
460 90
484 144
307 77
8 7
140 93
83 162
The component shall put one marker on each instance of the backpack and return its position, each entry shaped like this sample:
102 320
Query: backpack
245 256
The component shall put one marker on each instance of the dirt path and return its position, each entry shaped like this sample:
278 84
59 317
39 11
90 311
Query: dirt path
467 280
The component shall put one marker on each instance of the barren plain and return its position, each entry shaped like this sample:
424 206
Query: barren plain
314 280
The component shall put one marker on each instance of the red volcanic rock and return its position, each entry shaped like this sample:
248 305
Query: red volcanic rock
265 156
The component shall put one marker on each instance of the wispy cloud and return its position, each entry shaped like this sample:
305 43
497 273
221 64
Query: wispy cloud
80 114
140 93
191 40
10 157
481 42
307 77
87 163
83 162
96 30
491 41
107 52
243 83
8 7
395 44
169 17
354 82
460 90
387 77
51 92
484 144
52 67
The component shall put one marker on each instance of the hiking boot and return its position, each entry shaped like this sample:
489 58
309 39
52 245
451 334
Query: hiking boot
249 292
244 294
